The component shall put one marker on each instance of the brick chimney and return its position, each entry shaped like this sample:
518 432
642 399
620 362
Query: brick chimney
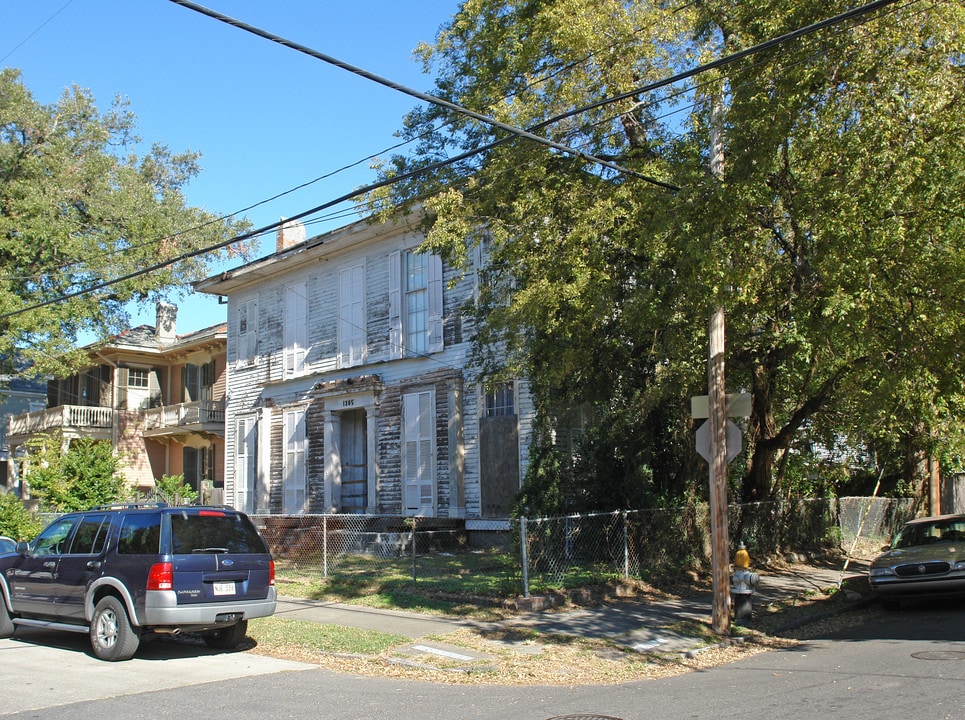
167 318
290 234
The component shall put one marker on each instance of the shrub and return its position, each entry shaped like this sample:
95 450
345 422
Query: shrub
15 520
85 476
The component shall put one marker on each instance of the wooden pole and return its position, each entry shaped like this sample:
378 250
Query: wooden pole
720 545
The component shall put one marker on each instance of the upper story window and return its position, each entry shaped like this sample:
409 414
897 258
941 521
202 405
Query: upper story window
198 381
247 325
500 400
140 389
416 320
415 304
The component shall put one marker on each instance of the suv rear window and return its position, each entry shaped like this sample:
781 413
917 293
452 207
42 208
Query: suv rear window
214 532
140 534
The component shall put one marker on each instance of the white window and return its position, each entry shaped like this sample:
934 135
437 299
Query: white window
142 389
500 400
417 449
295 469
296 329
247 319
415 304
416 319
351 315
246 457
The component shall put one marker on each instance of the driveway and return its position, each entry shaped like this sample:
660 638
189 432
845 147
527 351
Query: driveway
44 669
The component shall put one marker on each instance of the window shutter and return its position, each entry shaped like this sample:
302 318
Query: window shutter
295 477
121 389
296 329
245 464
436 339
154 387
395 305
351 315
417 411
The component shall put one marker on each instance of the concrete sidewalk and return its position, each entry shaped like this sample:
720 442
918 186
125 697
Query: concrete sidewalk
639 625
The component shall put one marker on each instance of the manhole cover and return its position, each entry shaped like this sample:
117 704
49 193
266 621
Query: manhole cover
940 655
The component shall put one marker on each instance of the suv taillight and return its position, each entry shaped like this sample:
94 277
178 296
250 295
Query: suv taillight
271 572
161 577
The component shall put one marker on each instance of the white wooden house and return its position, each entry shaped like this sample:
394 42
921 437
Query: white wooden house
348 389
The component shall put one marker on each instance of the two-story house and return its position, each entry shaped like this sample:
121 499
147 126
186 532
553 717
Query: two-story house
156 396
349 388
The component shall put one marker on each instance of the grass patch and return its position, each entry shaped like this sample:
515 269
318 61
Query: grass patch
273 633
439 583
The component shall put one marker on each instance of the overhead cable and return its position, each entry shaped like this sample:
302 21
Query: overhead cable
862 10
418 95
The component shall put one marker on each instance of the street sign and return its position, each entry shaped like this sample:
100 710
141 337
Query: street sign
737 405
734 440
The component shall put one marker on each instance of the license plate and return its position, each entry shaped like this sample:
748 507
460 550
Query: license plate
224 588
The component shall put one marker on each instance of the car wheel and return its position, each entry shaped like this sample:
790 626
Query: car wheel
111 635
6 624
227 638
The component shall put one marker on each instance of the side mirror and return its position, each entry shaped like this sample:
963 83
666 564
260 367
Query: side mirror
23 548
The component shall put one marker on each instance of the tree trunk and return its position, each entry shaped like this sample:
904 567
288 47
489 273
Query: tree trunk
760 435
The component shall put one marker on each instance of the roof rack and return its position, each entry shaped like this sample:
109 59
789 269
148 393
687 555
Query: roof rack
130 506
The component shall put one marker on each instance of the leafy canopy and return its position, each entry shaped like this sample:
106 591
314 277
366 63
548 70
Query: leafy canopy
79 206
820 205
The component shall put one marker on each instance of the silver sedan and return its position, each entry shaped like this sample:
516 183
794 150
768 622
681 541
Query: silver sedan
926 558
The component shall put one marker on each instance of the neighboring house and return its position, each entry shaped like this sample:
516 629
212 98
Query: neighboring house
156 396
17 395
348 386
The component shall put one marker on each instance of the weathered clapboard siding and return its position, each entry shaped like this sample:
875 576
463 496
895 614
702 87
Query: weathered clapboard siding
379 382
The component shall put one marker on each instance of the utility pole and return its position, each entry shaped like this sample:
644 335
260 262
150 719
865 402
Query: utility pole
717 420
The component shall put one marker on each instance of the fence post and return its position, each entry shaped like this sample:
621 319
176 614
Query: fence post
524 555
414 579
626 546
325 546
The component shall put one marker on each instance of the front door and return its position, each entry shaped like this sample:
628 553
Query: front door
354 461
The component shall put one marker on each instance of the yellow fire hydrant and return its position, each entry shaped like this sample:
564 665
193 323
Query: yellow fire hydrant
743 580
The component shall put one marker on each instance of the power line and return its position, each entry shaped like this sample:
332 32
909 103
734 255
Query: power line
720 62
732 58
418 95
41 27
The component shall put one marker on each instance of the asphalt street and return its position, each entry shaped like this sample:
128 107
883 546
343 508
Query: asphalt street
909 664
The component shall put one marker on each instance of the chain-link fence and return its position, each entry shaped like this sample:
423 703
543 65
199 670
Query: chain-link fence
348 555
353 555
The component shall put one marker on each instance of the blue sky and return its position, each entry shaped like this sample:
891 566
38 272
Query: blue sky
265 118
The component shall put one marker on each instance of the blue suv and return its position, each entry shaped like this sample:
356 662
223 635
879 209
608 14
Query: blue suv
126 572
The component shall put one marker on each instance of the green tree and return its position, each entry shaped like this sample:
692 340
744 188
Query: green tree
830 229
79 206
174 491
15 520
88 474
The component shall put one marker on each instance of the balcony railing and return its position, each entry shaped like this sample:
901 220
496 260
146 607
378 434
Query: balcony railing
200 412
76 417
